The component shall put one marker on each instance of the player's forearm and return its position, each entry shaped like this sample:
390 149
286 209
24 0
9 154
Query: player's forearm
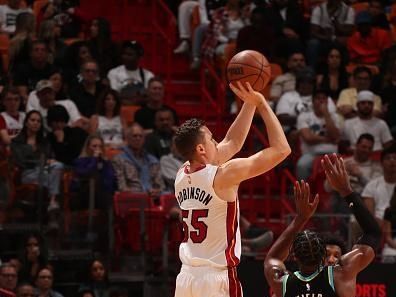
280 249
237 133
276 136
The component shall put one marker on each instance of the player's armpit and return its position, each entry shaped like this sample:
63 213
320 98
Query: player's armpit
237 170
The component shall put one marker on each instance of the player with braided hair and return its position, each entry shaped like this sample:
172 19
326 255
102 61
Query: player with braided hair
314 278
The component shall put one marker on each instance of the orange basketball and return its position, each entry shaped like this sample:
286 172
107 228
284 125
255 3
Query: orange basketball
249 66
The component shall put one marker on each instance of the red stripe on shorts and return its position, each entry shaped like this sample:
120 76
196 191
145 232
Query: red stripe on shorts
231 227
234 285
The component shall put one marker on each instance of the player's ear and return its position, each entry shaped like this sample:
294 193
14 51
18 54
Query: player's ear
200 149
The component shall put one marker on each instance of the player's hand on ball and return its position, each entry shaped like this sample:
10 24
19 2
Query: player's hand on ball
247 94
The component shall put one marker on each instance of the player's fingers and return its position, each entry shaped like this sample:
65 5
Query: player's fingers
298 190
249 87
234 89
315 202
241 87
308 189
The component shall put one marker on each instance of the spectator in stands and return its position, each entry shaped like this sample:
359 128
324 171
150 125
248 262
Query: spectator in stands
332 76
286 18
8 279
63 12
333 20
107 122
46 98
21 42
378 16
76 55
129 77
102 48
319 133
388 95
66 142
159 141
389 250
86 293
145 116
49 32
97 279
8 14
378 192
25 290
169 165
44 282
32 154
287 81
360 167
367 43
223 28
347 102
34 257
27 75
365 122
259 26
292 103
58 86
136 170
86 92
92 163
11 119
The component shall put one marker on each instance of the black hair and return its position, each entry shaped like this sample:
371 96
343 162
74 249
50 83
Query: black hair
57 113
101 102
389 150
84 291
361 69
309 249
134 45
155 79
317 91
187 137
104 30
333 239
40 133
366 136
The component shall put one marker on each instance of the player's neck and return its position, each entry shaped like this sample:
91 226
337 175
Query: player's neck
195 165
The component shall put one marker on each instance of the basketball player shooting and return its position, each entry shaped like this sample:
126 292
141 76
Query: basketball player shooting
206 189
314 279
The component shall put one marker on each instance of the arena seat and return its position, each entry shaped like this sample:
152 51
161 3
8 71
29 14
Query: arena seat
127 113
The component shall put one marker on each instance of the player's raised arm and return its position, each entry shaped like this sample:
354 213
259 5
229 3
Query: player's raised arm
237 170
273 264
236 134
364 251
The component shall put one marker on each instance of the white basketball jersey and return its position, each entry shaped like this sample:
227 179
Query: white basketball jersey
210 224
14 126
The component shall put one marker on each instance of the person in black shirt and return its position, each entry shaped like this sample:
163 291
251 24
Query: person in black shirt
27 75
85 93
155 101
66 142
314 278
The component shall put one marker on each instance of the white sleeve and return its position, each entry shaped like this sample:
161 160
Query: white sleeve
350 19
369 189
203 14
32 102
385 133
315 16
302 121
147 76
285 105
112 76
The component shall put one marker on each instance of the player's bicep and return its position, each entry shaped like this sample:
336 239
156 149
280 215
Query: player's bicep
237 170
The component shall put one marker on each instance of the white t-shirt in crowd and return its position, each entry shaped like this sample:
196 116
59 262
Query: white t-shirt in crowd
33 103
355 127
381 192
120 77
345 15
110 130
318 126
8 17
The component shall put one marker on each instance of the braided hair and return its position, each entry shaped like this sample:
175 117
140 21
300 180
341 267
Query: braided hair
308 248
